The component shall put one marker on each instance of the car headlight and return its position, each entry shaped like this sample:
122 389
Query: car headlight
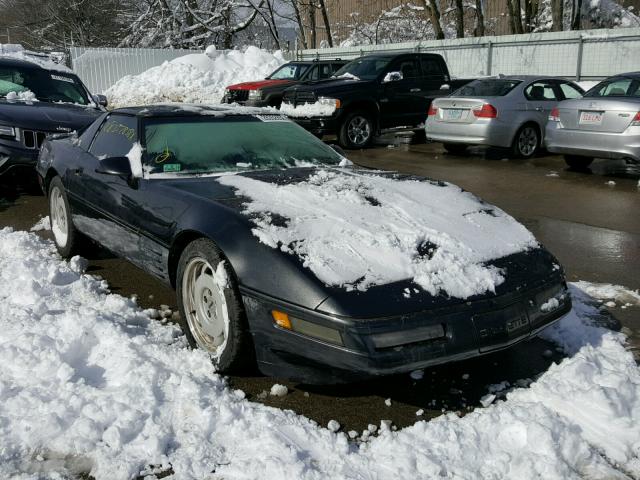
255 94
304 327
329 102
7 131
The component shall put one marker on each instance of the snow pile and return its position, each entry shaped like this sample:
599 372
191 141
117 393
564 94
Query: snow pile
90 384
194 78
356 230
307 110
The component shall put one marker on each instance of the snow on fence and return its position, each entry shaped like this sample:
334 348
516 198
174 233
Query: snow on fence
99 68
585 54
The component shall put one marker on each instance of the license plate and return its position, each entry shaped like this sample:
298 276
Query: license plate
453 113
590 118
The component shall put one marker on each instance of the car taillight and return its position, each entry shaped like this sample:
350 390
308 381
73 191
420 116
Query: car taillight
486 111
432 111
554 116
636 120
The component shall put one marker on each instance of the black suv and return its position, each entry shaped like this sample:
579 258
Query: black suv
38 98
268 92
371 94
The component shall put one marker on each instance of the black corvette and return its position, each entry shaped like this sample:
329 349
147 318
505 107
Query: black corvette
183 192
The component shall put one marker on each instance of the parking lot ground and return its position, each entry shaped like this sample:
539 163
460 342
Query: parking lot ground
589 223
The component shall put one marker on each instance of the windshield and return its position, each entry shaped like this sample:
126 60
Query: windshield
616 87
367 68
45 85
213 145
290 71
490 87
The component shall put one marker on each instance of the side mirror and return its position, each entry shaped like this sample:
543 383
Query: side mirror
392 77
119 166
101 100
445 86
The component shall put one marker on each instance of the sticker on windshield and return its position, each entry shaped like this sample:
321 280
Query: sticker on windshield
61 78
273 117
171 167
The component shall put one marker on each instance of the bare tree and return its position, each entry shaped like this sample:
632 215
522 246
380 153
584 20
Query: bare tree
327 24
479 31
431 6
459 8
557 15
576 23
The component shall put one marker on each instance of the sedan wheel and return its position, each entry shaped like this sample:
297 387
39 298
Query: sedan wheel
356 131
526 142
211 310
64 233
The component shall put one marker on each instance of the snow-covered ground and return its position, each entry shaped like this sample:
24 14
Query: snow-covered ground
90 383
194 78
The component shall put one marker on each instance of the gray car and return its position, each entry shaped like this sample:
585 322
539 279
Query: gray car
505 111
605 123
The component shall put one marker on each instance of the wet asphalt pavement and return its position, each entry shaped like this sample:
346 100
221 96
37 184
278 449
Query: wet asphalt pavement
589 219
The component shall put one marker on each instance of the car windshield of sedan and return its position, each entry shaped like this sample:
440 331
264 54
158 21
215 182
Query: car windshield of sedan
204 145
290 71
46 85
367 68
486 88
617 87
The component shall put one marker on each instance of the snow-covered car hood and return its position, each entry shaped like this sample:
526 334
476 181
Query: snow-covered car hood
357 229
49 117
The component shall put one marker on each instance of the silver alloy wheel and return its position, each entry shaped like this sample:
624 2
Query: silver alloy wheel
59 218
205 306
528 141
358 130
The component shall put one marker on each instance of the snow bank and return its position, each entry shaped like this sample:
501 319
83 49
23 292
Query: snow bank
194 78
431 232
90 384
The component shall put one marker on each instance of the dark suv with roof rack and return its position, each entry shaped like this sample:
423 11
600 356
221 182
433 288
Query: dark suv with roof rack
268 92
38 98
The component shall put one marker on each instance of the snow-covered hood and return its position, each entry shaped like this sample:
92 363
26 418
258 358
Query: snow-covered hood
357 229
49 117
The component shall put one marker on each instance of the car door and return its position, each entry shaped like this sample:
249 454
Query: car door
401 101
541 98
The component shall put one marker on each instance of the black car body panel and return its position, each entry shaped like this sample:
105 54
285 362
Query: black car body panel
149 221
32 121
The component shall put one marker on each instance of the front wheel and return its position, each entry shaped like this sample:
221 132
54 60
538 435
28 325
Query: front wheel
356 130
526 142
577 162
212 316
65 235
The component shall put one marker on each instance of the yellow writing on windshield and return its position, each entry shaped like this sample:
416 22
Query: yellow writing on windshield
117 128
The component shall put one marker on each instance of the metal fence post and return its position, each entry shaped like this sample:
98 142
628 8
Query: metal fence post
489 56
579 60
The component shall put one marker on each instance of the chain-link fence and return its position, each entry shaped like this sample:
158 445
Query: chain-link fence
586 54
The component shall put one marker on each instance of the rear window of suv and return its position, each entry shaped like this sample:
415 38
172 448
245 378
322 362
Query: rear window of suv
489 87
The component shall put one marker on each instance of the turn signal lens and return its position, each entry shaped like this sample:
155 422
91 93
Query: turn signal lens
281 319
554 116
432 111
636 120
486 111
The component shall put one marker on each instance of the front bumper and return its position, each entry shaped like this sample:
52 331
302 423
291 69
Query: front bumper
370 347
319 126
489 132
13 158
246 103
593 143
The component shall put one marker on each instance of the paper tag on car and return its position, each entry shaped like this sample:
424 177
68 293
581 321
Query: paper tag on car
171 167
276 117
62 78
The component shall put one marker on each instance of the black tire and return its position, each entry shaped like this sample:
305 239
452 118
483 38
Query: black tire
65 235
236 353
526 142
577 162
455 148
356 130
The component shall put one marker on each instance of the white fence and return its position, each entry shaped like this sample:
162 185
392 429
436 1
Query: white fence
99 68
586 54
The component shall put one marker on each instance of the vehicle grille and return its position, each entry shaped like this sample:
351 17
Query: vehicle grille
296 97
32 139
237 96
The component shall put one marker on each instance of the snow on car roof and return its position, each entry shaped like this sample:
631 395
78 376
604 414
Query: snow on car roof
26 59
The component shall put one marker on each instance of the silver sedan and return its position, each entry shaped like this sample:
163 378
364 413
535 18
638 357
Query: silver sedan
605 123
506 111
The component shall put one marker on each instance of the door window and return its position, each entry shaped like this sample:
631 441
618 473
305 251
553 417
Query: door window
116 137
431 67
408 67
569 91
540 92
313 74
620 87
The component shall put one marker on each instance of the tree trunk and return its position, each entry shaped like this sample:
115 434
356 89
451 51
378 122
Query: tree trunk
459 19
576 21
479 19
296 10
431 6
517 19
557 15
312 25
528 10
327 25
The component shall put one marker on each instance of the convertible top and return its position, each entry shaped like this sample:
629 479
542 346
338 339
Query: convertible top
188 109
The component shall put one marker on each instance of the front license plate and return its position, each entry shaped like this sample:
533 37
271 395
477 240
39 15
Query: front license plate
590 118
500 327
453 113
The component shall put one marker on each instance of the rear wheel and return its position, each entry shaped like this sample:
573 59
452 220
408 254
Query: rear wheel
65 235
212 315
526 142
356 130
577 162
455 148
